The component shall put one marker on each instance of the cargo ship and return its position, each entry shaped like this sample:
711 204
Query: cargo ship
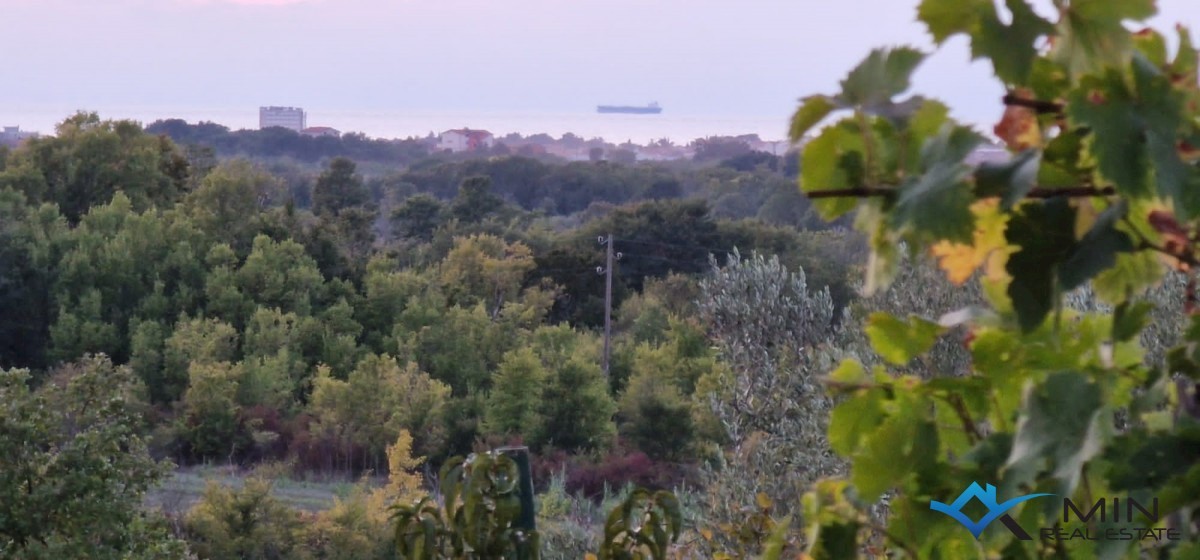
651 109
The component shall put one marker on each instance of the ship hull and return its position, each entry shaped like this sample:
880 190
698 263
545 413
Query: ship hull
629 110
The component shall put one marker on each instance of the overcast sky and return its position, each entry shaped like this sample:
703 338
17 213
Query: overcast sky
702 57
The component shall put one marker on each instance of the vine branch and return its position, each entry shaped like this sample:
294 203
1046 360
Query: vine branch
1039 106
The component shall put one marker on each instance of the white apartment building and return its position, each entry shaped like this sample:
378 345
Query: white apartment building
292 118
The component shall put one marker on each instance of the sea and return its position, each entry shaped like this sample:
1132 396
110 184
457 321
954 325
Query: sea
615 128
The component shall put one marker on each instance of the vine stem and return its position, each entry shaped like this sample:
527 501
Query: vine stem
1039 106
960 408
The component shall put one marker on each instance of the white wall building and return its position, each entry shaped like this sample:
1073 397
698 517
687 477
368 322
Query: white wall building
13 135
292 118
463 139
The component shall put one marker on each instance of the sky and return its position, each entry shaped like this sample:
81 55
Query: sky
726 58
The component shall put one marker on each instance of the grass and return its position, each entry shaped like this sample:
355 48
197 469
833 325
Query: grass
185 487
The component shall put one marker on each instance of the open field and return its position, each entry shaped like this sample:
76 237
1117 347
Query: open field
186 486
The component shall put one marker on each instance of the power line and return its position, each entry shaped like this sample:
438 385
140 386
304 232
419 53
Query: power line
679 246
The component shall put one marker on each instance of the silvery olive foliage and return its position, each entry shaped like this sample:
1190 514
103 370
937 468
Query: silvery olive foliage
775 335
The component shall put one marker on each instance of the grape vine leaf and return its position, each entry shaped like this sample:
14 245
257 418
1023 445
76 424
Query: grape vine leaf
1050 259
1090 34
833 161
1010 180
884 74
899 341
988 247
1096 251
1061 426
936 204
1130 275
1129 319
1133 128
1011 47
813 109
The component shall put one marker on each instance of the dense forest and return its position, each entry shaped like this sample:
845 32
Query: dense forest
315 318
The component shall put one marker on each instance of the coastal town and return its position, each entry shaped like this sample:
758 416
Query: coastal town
467 142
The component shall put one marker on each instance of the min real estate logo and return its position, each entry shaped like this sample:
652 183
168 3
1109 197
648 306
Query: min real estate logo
1137 523
995 510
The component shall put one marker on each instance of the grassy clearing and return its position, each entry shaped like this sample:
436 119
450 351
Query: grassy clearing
186 486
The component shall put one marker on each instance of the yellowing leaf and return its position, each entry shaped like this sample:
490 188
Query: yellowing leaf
960 261
763 500
1018 128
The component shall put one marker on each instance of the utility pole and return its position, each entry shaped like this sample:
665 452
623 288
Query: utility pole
608 272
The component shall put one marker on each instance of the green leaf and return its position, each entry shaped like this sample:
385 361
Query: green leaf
945 18
1046 236
813 109
1130 275
925 123
849 372
1011 180
1011 48
852 419
1134 130
891 453
899 341
1129 319
1061 426
1097 251
1051 261
1091 36
884 74
1152 45
833 161
1143 460
935 205
1060 165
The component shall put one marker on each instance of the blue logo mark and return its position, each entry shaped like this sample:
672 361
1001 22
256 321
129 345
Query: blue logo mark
988 499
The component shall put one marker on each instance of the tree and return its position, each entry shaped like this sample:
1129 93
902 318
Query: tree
280 274
76 466
246 523
475 200
1100 189
367 411
516 396
651 406
229 200
483 269
29 247
210 412
768 399
89 160
719 148
338 188
194 341
418 218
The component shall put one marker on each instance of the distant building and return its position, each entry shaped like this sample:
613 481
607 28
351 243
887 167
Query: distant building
287 117
321 131
464 139
12 136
